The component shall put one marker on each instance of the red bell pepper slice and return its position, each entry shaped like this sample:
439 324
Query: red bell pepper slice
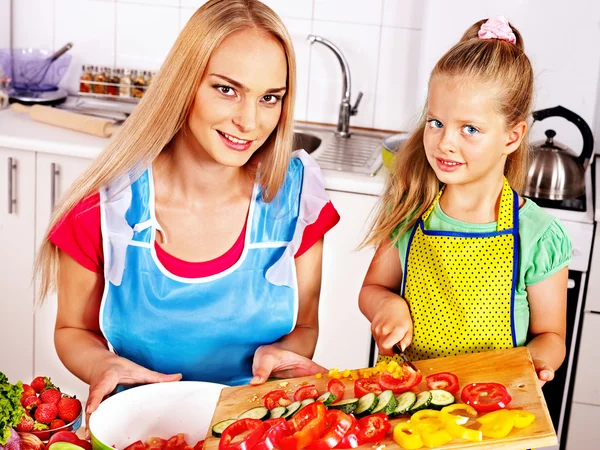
252 428
307 426
275 430
275 398
304 392
352 438
363 386
337 388
374 427
338 424
402 384
485 397
443 380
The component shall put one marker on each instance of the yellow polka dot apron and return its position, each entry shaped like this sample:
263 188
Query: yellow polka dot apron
461 286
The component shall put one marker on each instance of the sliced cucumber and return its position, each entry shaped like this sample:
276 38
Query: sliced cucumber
404 402
327 398
307 401
386 403
348 405
292 409
260 413
366 404
277 412
219 427
423 401
441 398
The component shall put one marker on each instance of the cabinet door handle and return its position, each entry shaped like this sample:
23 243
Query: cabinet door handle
12 200
54 174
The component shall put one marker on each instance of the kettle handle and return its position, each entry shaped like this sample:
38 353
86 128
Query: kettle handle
588 138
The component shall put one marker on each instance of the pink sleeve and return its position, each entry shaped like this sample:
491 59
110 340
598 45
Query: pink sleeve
328 218
78 234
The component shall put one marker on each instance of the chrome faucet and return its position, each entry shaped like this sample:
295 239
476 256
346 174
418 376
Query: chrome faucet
346 109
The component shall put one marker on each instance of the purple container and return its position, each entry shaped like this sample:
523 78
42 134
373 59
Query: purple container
30 69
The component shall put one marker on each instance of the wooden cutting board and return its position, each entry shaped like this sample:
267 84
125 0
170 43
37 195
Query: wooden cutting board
513 368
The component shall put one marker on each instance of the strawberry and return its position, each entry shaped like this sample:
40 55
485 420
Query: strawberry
28 391
50 396
46 413
26 424
69 409
31 402
41 383
57 423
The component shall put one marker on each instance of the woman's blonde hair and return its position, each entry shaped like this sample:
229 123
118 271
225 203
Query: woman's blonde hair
413 184
163 111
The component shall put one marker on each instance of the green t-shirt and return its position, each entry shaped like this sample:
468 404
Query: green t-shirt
544 249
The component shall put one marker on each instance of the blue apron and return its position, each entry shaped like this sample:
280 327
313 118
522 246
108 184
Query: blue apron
207 328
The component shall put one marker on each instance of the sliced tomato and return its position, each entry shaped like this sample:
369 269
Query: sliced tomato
275 430
307 425
137 445
337 388
374 427
246 432
363 386
176 442
304 392
155 443
275 398
338 424
485 397
402 384
199 445
351 439
443 380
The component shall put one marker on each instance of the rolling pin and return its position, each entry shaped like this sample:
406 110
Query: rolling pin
67 119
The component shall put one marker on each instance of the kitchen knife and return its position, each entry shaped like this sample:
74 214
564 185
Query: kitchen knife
398 351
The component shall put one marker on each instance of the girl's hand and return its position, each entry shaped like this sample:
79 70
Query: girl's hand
392 325
272 361
544 371
115 370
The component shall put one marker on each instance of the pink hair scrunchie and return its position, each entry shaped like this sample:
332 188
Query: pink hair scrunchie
497 28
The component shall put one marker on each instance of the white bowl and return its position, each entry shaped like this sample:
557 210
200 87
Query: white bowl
161 409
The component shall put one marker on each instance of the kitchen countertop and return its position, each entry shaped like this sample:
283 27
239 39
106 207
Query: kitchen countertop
19 131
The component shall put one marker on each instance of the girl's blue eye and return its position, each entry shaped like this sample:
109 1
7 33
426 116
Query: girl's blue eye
471 130
434 123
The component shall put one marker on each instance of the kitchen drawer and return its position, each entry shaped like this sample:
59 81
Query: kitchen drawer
581 235
587 388
584 432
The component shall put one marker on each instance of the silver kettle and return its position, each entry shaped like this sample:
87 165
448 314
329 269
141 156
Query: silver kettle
555 171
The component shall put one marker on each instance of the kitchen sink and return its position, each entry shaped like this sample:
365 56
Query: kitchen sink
360 153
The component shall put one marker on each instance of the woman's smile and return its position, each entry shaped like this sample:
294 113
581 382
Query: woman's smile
234 143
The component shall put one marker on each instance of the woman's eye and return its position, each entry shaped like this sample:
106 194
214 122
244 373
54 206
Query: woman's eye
469 129
434 123
271 99
226 90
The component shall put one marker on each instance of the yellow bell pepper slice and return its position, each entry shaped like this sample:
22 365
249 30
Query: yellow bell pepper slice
454 422
407 437
459 431
498 426
436 438
429 425
522 418
446 413
425 414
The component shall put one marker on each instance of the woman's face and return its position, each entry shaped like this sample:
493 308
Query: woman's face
238 103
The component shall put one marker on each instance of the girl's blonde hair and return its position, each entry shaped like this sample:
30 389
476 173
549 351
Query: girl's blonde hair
163 111
413 184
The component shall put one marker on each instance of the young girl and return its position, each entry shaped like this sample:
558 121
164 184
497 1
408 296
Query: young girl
192 246
463 263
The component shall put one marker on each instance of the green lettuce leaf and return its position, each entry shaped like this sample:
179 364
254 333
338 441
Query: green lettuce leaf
11 410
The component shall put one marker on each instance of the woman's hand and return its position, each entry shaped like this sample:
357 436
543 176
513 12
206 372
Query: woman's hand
392 325
114 371
272 361
544 371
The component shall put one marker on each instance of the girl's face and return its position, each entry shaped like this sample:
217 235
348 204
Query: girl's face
465 139
238 103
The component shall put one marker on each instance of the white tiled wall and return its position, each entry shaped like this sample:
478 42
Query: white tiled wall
380 39
4 23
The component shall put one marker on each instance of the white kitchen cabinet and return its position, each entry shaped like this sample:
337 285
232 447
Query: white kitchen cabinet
17 219
592 300
584 433
587 389
55 175
344 333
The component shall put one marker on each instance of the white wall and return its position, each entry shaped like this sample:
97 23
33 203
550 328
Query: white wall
380 42
4 23
562 40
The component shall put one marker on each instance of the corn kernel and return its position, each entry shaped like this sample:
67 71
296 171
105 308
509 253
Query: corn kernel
319 376
346 373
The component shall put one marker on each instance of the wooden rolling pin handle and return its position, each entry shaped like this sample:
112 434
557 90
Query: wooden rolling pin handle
67 119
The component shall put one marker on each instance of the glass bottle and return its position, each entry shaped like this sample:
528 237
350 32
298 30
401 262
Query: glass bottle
139 84
125 84
113 79
86 75
99 79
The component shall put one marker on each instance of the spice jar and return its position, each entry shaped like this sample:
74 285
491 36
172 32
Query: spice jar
86 76
113 79
125 84
99 79
139 84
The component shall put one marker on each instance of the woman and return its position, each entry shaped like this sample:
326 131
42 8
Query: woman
200 172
